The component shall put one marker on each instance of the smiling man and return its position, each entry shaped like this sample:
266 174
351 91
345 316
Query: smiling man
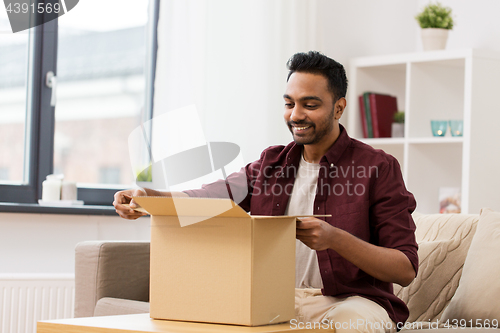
345 264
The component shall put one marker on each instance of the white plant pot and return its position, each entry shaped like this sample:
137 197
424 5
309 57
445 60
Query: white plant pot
434 39
398 130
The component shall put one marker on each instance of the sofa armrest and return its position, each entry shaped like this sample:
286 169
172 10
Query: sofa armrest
110 269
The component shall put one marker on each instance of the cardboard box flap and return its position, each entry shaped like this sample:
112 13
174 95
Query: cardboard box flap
268 217
200 207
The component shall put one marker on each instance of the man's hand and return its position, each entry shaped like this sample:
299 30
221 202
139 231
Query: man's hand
125 197
385 264
315 233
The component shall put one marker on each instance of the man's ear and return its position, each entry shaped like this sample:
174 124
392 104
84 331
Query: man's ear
339 107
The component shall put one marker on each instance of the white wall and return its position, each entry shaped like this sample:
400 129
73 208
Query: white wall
228 58
476 24
362 28
45 243
359 28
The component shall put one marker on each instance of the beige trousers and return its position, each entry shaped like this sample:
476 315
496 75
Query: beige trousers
341 315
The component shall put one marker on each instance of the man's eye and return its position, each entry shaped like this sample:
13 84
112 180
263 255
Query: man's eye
289 105
311 106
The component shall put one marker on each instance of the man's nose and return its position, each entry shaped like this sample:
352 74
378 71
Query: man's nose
297 114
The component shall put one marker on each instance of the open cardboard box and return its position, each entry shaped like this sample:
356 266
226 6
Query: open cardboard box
221 266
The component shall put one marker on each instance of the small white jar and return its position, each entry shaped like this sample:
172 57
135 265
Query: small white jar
51 188
68 191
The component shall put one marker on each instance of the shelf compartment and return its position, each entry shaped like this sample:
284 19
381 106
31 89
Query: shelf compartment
436 93
439 85
430 167
388 79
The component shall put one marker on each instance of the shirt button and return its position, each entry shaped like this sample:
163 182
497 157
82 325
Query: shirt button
331 165
277 204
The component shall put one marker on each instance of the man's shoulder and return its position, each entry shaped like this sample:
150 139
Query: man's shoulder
277 152
370 154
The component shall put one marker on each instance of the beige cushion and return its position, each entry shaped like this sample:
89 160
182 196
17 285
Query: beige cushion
444 240
478 295
110 269
109 306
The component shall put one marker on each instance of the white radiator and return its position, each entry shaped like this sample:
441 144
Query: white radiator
27 298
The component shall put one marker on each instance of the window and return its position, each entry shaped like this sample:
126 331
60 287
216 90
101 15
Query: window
14 55
4 174
109 175
105 71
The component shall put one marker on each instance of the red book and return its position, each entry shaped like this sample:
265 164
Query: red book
382 108
364 124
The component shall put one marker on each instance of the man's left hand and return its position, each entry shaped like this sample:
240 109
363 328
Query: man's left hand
315 233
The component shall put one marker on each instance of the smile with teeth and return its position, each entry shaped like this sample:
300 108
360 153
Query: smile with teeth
297 128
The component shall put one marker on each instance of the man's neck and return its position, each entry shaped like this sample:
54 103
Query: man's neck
313 153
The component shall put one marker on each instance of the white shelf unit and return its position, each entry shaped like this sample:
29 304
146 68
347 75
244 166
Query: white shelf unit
438 85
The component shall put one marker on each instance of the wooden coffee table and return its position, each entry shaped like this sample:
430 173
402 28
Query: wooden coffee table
140 323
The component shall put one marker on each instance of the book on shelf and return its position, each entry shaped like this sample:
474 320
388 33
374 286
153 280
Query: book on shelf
377 114
383 108
368 114
364 124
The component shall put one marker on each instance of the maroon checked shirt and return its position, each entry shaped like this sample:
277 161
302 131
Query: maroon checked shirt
362 188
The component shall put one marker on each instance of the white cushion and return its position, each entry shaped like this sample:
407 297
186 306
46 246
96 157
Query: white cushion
478 295
444 240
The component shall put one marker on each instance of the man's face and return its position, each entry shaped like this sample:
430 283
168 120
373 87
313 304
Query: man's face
309 108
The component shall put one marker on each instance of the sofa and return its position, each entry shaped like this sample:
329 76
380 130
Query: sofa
457 286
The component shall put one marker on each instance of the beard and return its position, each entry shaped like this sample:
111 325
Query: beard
318 132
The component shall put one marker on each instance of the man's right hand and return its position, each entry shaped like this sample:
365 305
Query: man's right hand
125 197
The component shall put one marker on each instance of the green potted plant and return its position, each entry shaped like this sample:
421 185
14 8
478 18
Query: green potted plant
436 21
144 174
398 126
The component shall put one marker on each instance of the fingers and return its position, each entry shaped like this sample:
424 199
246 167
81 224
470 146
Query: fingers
137 193
316 234
309 231
125 197
308 240
308 222
130 215
305 225
122 197
307 228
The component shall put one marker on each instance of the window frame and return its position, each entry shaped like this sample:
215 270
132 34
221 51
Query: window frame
40 116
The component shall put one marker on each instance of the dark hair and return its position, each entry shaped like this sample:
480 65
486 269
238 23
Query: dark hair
316 63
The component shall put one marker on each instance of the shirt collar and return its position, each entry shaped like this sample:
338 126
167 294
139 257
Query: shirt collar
332 155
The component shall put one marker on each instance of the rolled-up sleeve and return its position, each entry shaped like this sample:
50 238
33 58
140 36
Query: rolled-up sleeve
390 212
